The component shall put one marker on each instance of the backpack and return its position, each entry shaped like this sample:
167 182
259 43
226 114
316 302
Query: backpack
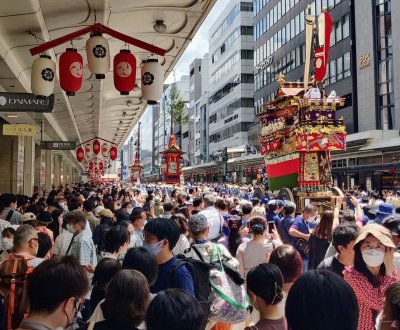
218 288
200 272
14 272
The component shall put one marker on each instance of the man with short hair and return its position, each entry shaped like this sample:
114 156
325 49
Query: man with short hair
168 207
116 242
161 236
81 245
88 208
197 205
300 231
202 248
26 244
138 220
10 209
214 218
64 284
289 211
274 208
246 213
343 238
392 222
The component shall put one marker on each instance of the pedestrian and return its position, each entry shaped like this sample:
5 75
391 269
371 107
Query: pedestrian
234 238
307 307
64 284
389 318
214 218
343 239
265 289
320 239
372 273
138 220
161 236
174 309
289 212
258 249
126 301
183 242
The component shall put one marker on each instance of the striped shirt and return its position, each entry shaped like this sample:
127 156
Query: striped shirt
84 250
62 243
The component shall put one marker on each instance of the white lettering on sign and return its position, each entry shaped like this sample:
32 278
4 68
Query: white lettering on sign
267 62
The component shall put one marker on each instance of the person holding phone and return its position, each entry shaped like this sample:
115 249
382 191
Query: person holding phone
258 249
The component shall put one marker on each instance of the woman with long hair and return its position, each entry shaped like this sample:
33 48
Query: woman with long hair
258 249
320 239
373 272
234 238
183 242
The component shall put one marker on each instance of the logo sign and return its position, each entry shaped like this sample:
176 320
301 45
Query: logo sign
24 102
19 130
267 62
58 145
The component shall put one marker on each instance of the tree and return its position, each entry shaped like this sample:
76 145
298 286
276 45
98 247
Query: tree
175 107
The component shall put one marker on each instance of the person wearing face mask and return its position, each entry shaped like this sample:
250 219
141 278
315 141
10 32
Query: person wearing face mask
63 302
138 220
161 236
373 272
300 231
7 238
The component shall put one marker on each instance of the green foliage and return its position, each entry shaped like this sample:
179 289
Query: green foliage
175 107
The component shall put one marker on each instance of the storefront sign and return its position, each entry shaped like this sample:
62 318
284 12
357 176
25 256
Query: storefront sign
267 62
58 145
19 130
24 102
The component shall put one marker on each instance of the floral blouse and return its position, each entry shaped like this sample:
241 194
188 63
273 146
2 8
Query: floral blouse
370 299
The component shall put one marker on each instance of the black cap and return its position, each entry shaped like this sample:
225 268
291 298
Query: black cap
44 217
392 222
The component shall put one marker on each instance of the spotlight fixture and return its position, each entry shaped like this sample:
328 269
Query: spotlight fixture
159 27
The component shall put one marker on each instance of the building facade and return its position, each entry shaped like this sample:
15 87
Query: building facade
231 89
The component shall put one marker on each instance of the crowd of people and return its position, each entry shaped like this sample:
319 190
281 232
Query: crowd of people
194 257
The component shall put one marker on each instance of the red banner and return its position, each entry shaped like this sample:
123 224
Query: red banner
320 142
320 63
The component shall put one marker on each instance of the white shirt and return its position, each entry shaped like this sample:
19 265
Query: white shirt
181 245
214 220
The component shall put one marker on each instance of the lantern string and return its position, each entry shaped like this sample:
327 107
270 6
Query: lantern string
35 36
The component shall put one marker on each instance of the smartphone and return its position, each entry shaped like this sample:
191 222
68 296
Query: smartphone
271 227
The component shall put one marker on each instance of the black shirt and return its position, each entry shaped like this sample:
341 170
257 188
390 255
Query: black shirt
332 264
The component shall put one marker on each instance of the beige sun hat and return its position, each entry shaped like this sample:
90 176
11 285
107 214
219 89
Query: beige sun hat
380 232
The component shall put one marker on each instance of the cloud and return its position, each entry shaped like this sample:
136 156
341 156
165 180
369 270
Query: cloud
199 45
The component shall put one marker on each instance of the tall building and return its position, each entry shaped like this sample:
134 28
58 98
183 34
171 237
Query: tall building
146 140
198 111
231 90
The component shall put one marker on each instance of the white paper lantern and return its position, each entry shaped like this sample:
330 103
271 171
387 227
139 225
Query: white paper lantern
98 55
88 151
152 80
43 76
105 150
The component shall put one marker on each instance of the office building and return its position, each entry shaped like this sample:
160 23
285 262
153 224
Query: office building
231 89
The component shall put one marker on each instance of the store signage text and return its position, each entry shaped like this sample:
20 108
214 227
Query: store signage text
267 62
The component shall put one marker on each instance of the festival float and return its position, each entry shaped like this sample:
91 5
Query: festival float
299 128
136 168
171 162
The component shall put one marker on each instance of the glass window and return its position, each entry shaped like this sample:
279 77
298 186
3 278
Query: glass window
313 8
275 14
333 38
279 10
331 4
339 68
292 29
287 32
287 5
283 7
297 24
324 4
346 65
346 26
298 57
338 28
332 70
302 23
293 55
279 39
275 42
318 8
284 35
292 3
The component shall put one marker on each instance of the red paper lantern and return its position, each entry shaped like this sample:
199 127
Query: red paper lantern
96 147
124 71
101 166
103 173
90 173
113 153
91 165
80 154
71 71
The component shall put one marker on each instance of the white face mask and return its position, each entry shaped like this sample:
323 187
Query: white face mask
311 219
373 257
8 243
70 228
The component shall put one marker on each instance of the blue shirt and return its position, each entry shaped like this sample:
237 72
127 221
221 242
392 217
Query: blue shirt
183 278
272 216
283 229
303 227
